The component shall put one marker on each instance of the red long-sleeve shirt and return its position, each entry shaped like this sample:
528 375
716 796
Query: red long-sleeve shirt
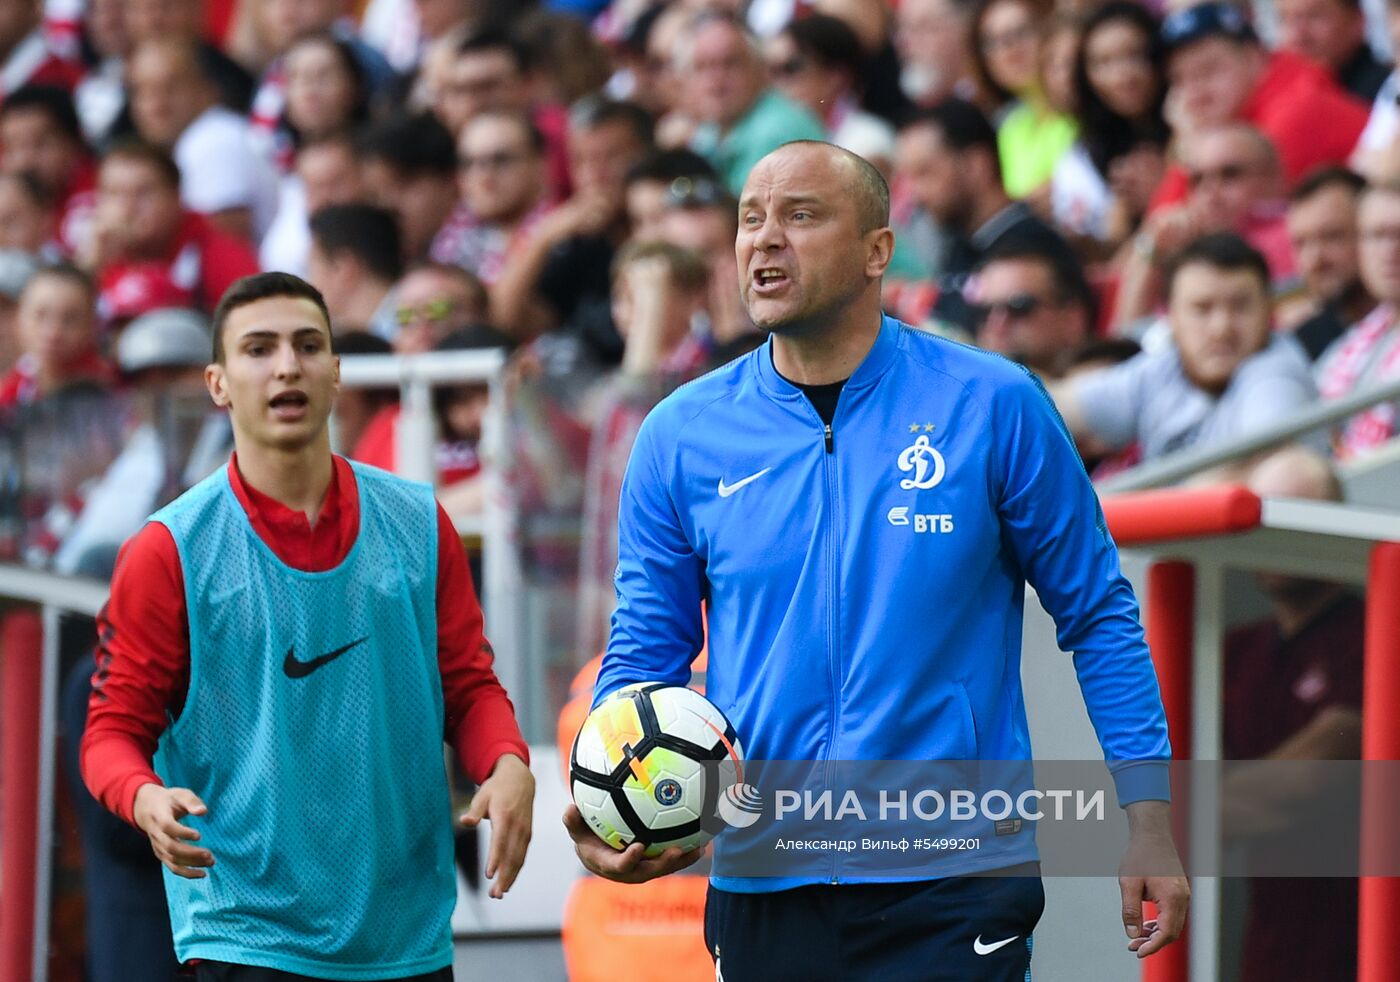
143 651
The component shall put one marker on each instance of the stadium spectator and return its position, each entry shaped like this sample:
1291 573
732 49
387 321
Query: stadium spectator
817 61
174 105
26 57
933 39
1102 187
1220 73
407 31
559 280
1094 355
409 165
1032 306
15 269
1233 174
1369 352
570 61
326 172
1322 231
28 221
355 261
660 292
458 411
1292 691
147 250
701 218
57 337
285 22
1032 135
740 117
40 133
503 195
326 90
100 96
435 300
185 20
161 356
1225 375
492 71
636 76
948 157
649 182
1333 34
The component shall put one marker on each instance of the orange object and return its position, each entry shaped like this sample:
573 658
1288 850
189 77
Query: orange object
1378 952
644 932
1180 513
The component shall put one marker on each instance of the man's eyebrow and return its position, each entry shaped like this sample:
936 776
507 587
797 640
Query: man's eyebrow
274 335
787 199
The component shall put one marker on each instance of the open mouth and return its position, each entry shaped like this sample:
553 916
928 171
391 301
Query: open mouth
769 280
289 405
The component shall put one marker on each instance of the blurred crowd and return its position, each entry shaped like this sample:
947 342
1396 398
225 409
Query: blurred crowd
1185 220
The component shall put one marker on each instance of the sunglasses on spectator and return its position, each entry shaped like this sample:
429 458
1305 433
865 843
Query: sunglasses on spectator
433 312
694 192
788 68
1227 174
1013 308
491 161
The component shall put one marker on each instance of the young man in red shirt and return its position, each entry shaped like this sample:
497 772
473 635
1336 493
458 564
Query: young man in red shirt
148 250
293 639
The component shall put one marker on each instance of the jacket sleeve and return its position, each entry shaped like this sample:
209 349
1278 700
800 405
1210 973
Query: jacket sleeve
656 628
1055 530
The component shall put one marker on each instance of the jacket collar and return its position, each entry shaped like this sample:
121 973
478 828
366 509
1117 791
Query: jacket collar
868 372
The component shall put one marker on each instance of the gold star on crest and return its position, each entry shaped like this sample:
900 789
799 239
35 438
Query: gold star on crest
913 427
928 427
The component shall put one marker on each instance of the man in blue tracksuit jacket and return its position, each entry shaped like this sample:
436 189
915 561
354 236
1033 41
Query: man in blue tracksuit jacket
860 505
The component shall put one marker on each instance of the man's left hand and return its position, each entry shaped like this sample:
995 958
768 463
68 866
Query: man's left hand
1151 870
507 801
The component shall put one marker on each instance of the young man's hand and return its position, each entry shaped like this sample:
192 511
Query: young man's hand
507 801
157 811
631 865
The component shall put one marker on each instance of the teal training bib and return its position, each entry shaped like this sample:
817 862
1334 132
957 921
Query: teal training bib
313 731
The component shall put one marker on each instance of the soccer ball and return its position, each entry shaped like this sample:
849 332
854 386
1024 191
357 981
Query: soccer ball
650 764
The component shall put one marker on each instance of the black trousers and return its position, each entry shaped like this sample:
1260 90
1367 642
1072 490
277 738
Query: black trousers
961 929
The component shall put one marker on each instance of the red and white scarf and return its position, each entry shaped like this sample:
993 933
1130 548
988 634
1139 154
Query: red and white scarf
1368 353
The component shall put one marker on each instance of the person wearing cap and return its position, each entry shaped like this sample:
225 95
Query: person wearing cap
161 356
1219 72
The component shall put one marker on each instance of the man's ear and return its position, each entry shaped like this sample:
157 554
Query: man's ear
215 382
879 250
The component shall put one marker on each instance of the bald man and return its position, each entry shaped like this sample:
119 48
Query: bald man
1292 689
861 505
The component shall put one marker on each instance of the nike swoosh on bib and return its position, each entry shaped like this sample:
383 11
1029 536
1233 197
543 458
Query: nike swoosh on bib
725 490
301 669
987 949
